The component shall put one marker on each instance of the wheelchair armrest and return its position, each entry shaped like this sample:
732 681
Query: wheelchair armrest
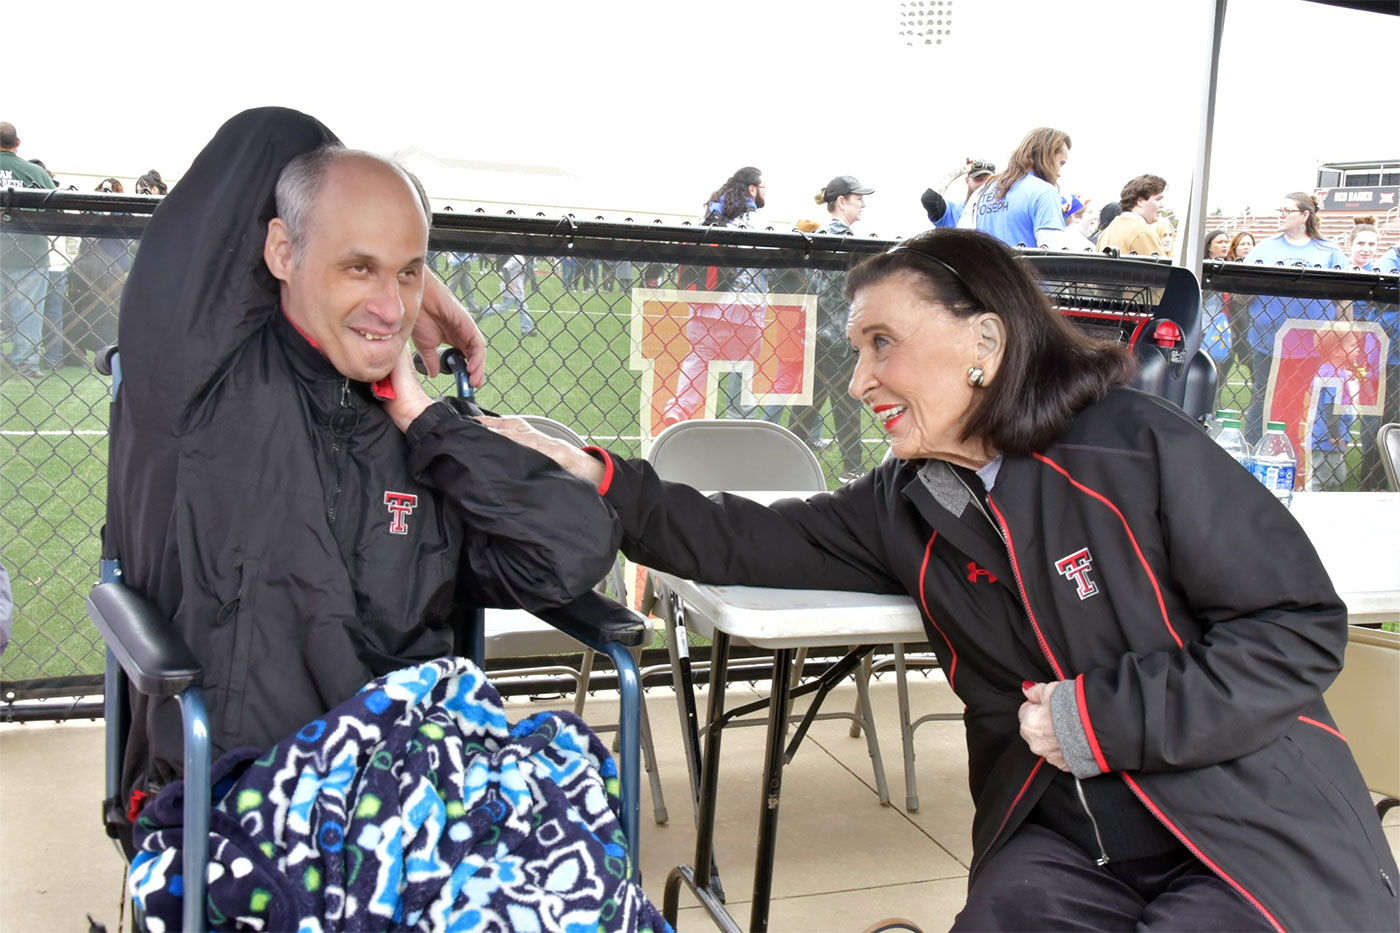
597 620
145 644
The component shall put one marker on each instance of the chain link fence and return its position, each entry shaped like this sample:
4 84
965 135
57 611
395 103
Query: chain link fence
616 330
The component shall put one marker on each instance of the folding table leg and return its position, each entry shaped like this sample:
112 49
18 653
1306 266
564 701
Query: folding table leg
703 878
772 790
906 732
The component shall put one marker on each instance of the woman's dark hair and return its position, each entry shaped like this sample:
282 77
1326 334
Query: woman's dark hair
109 186
1211 238
1049 370
735 195
152 181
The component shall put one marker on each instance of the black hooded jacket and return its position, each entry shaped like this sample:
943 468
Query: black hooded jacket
301 543
1135 562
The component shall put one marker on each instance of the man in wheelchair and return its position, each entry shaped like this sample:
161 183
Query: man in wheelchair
280 485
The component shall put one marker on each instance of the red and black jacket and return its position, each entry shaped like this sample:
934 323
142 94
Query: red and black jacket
299 541
1135 559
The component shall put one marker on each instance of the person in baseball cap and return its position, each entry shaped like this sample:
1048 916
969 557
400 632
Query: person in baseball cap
942 213
839 186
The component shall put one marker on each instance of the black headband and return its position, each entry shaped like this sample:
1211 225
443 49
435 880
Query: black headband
901 249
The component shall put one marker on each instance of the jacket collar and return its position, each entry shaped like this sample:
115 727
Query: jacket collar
945 503
308 362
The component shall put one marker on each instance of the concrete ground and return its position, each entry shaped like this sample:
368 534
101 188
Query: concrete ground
843 860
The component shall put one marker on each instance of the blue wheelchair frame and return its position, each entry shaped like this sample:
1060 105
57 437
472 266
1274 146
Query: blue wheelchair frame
144 651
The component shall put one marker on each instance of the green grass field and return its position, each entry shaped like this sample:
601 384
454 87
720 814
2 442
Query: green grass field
53 476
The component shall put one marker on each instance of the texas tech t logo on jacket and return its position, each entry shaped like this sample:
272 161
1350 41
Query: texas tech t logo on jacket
1076 567
401 506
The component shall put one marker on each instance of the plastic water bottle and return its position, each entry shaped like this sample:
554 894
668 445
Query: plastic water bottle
1218 422
1231 438
1274 462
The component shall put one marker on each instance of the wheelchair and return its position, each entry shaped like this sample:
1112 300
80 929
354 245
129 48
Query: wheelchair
145 652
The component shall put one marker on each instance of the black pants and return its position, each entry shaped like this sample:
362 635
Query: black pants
832 364
1042 881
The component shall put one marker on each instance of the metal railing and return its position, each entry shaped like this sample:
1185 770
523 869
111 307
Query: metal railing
615 329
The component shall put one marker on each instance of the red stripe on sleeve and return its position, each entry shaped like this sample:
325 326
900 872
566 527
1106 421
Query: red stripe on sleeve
607 459
1323 726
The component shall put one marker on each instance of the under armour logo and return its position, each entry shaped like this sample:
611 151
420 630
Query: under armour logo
975 573
401 505
1076 567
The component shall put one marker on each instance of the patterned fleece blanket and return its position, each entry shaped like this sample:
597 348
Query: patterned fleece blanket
413 805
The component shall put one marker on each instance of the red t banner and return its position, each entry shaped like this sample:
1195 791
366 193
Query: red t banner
682 341
1310 353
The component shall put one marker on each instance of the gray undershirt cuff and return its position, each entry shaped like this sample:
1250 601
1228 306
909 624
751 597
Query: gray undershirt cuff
1069 730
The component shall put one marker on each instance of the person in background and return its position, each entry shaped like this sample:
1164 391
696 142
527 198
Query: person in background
1166 232
1365 237
715 328
61 251
1077 218
1298 242
151 183
944 213
1132 232
1217 245
1215 306
512 297
1106 215
1021 206
95 283
844 197
1241 245
24 264
1140 632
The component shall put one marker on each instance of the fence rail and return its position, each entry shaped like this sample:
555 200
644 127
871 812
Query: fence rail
615 329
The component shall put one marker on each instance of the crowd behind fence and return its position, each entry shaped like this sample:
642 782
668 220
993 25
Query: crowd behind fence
616 329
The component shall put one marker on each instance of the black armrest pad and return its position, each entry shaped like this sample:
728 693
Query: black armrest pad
144 642
596 620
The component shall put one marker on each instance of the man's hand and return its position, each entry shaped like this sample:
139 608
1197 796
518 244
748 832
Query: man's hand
409 399
561 452
443 320
1037 728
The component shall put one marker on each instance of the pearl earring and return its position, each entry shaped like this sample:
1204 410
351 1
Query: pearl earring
975 376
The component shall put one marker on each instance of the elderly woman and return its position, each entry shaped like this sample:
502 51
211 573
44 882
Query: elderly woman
1140 632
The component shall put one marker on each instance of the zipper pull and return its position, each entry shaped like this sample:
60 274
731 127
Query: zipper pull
343 418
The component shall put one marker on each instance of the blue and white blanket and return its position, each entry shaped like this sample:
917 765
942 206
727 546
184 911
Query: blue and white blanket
413 805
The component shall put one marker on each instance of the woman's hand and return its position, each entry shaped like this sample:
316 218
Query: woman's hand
1037 728
443 320
409 399
561 452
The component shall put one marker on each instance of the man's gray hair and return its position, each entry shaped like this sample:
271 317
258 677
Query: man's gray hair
301 181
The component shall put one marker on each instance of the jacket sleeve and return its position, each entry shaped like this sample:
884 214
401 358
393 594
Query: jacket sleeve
828 541
198 286
537 536
1271 635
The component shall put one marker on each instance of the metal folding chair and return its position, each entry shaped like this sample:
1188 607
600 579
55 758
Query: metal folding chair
742 456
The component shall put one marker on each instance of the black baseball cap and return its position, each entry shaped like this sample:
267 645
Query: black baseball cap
844 184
